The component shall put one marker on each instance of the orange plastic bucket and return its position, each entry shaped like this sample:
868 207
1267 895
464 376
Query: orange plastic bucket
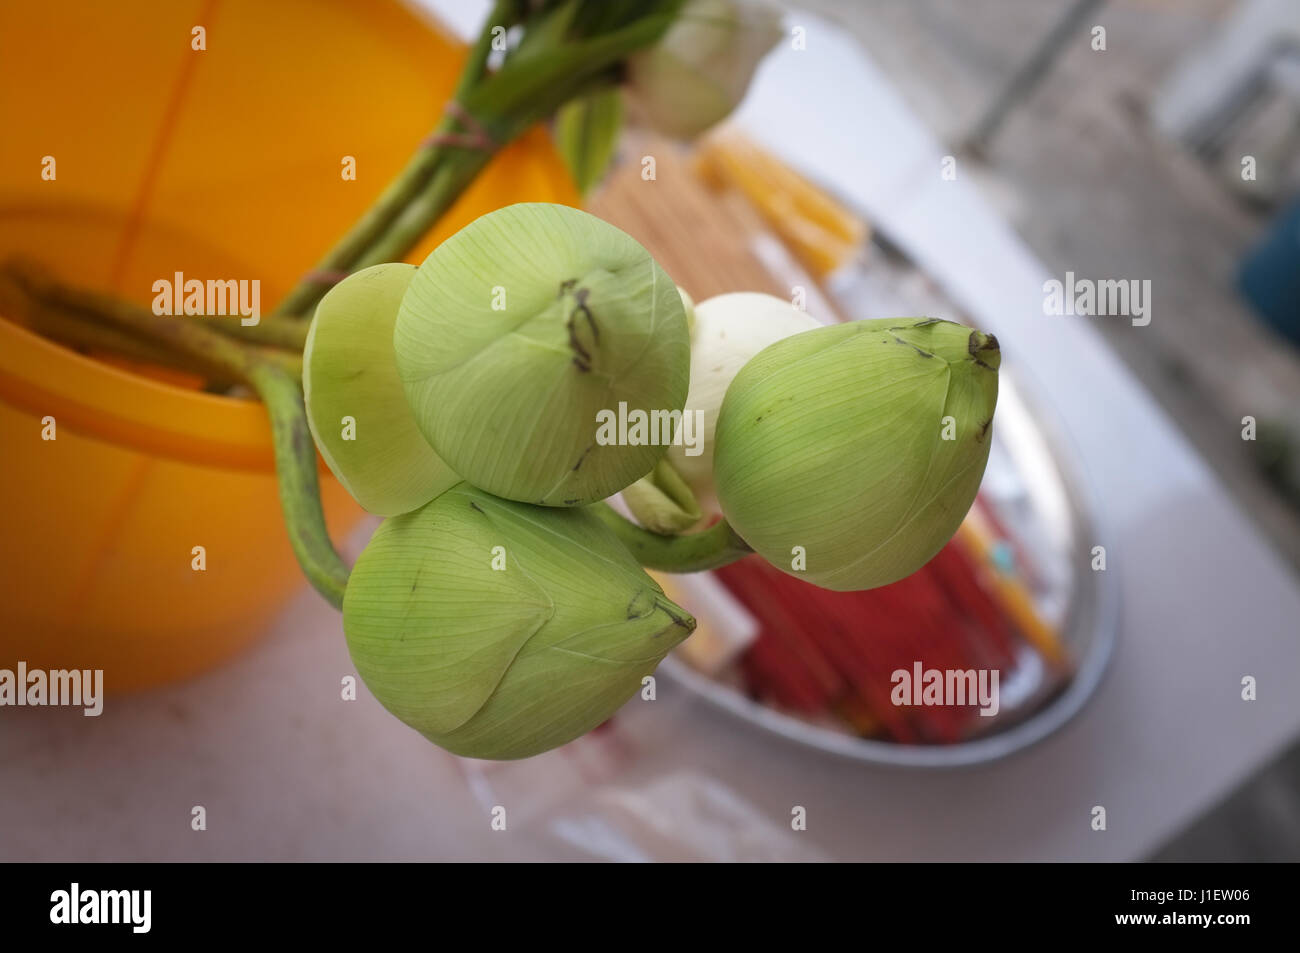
219 163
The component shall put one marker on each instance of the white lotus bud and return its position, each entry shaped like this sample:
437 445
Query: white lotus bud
729 330
697 74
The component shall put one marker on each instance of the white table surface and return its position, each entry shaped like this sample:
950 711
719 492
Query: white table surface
289 771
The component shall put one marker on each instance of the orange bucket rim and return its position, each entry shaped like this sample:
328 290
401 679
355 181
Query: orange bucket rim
115 405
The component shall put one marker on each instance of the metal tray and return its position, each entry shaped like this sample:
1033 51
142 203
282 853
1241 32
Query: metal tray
1030 469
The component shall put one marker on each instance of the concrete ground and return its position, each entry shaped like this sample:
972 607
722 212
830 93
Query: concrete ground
1077 168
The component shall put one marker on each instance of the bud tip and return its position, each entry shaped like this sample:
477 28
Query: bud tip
984 350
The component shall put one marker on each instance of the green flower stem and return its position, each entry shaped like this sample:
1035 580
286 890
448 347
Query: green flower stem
537 79
374 224
84 318
505 13
296 468
695 552
423 210
263 370
180 335
81 331
288 333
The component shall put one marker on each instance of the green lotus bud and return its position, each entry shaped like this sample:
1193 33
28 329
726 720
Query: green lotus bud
848 455
499 629
697 74
356 405
729 330
520 332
